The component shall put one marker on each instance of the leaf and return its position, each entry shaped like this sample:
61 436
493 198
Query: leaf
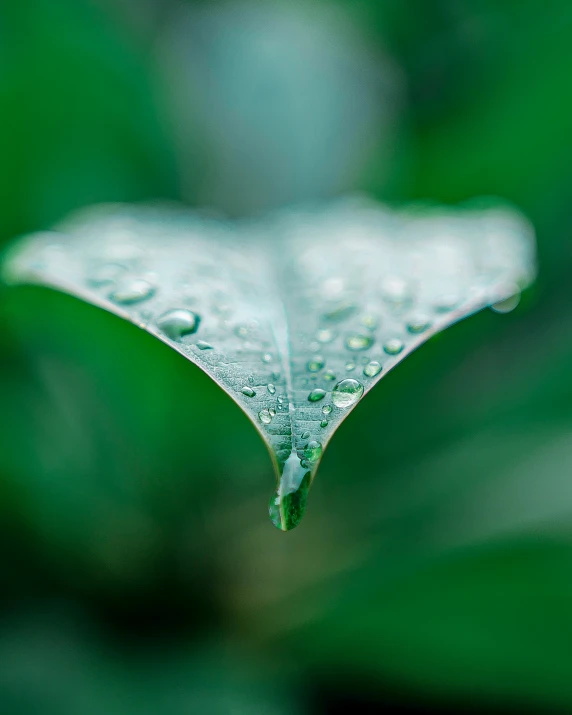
296 315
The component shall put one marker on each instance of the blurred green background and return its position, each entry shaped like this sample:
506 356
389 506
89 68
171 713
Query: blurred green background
140 572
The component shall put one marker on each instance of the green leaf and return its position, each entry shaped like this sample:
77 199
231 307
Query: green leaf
296 315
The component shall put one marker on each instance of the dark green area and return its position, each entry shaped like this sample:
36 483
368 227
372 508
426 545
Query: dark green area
140 572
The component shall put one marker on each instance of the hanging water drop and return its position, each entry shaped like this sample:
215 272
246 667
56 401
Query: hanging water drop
359 342
372 369
288 503
178 323
313 451
132 290
508 304
316 363
346 393
393 346
316 394
265 417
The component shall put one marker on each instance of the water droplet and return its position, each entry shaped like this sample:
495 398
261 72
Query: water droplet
324 423
329 375
305 435
446 302
222 309
313 451
267 357
132 290
369 321
241 331
342 312
271 388
350 366
177 323
326 335
396 292
316 363
359 342
265 417
105 274
288 504
346 393
202 345
272 412
418 324
316 394
372 369
506 305
393 346
327 409
248 391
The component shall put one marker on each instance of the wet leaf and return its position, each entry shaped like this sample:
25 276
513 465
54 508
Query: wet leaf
296 315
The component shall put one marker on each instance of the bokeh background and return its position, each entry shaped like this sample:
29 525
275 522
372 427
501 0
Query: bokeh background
139 570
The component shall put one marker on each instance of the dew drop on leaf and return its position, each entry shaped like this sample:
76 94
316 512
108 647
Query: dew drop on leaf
316 363
350 365
393 346
316 394
329 375
313 451
418 324
248 391
327 409
178 323
372 369
265 417
132 290
346 393
369 321
359 342
326 335
202 345
271 388
108 273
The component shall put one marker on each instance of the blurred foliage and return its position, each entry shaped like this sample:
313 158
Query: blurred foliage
140 572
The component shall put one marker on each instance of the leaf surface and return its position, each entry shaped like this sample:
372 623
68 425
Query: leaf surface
296 315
